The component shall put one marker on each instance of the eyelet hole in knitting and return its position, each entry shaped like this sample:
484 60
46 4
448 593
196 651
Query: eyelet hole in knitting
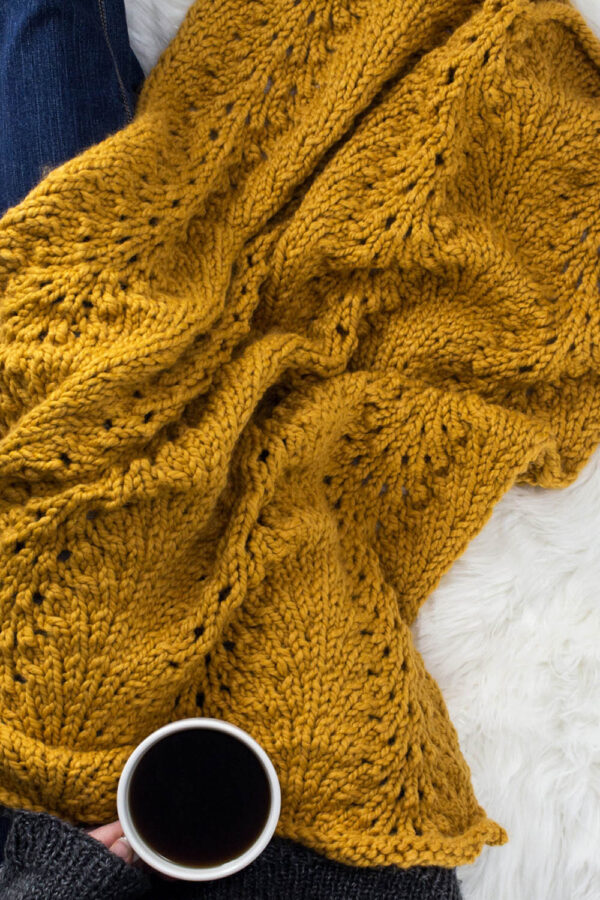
19 546
148 416
389 222
263 455
224 593
64 555
200 699
37 598
213 134
450 76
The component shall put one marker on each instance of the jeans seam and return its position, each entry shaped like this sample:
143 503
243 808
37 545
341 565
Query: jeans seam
123 92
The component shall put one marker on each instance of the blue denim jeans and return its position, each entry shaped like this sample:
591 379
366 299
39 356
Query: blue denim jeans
68 79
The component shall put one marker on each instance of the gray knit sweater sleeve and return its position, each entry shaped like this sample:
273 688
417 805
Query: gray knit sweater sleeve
46 859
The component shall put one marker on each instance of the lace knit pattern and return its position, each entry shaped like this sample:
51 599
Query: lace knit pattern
268 358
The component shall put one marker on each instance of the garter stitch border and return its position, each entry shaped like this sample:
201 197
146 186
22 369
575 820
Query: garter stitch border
268 358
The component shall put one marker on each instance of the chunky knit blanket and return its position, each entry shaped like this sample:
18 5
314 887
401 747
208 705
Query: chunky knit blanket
268 357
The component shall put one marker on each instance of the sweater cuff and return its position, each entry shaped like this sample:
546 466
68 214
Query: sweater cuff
46 857
286 869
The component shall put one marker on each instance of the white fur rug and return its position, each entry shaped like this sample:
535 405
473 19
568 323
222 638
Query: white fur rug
512 636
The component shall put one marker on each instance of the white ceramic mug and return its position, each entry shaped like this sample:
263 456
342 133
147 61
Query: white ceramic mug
174 869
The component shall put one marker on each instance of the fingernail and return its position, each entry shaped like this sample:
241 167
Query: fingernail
122 848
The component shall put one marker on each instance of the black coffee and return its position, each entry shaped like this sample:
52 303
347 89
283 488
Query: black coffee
199 797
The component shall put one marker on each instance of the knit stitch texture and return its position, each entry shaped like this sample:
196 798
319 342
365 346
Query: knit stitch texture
48 859
268 358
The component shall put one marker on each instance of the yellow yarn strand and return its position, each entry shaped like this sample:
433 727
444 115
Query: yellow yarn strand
268 358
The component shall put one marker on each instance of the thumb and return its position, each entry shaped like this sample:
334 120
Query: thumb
123 849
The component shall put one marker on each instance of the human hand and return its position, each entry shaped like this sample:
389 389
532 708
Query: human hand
112 837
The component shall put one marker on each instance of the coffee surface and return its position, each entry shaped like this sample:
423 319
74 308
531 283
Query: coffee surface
199 797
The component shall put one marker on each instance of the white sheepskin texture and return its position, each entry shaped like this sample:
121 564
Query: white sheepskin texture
512 635
152 25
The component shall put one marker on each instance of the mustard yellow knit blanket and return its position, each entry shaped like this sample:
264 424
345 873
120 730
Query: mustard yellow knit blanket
268 358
